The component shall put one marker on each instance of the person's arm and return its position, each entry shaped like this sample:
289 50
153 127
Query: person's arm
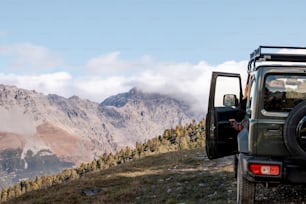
236 125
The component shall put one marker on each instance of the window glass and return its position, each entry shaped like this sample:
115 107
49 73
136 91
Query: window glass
226 85
283 92
251 93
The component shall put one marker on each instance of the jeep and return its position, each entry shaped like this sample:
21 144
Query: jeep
272 148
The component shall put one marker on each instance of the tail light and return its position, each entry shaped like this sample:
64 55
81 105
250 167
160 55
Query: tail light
265 169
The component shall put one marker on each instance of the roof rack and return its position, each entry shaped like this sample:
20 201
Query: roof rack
277 53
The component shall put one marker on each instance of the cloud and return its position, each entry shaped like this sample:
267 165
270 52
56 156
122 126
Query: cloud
111 64
187 81
97 88
292 51
58 82
184 80
15 121
281 50
29 57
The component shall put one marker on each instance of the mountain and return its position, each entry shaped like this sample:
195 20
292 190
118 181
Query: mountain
137 116
42 134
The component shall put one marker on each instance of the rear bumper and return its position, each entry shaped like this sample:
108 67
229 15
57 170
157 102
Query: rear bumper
291 172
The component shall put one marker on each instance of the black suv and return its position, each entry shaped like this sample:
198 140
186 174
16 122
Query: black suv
272 147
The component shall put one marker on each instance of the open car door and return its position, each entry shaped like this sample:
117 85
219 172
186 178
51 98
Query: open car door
224 104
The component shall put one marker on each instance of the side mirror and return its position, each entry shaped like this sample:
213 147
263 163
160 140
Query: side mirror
230 100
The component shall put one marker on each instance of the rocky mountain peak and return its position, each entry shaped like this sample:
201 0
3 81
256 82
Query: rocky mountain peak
136 95
135 91
12 92
122 99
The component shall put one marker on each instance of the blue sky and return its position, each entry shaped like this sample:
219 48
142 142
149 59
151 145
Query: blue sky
98 48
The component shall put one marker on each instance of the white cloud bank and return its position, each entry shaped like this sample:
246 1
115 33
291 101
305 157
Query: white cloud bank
108 75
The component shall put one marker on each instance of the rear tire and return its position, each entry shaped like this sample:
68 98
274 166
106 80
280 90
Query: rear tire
245 188
293 128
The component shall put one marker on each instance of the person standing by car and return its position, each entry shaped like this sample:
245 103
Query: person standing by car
242 126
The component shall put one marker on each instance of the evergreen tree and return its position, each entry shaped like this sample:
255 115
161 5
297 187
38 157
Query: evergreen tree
38 181
3 195
17 190
10 193
139 148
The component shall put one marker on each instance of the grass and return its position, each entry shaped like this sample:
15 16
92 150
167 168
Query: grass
175 177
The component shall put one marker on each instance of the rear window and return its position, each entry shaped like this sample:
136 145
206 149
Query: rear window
283 92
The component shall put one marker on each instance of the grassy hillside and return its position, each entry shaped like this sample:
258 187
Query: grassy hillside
171 168
183 176
181 138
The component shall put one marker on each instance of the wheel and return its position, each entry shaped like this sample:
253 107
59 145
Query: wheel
245 188
295 131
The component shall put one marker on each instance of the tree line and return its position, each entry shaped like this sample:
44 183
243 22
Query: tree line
174 139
